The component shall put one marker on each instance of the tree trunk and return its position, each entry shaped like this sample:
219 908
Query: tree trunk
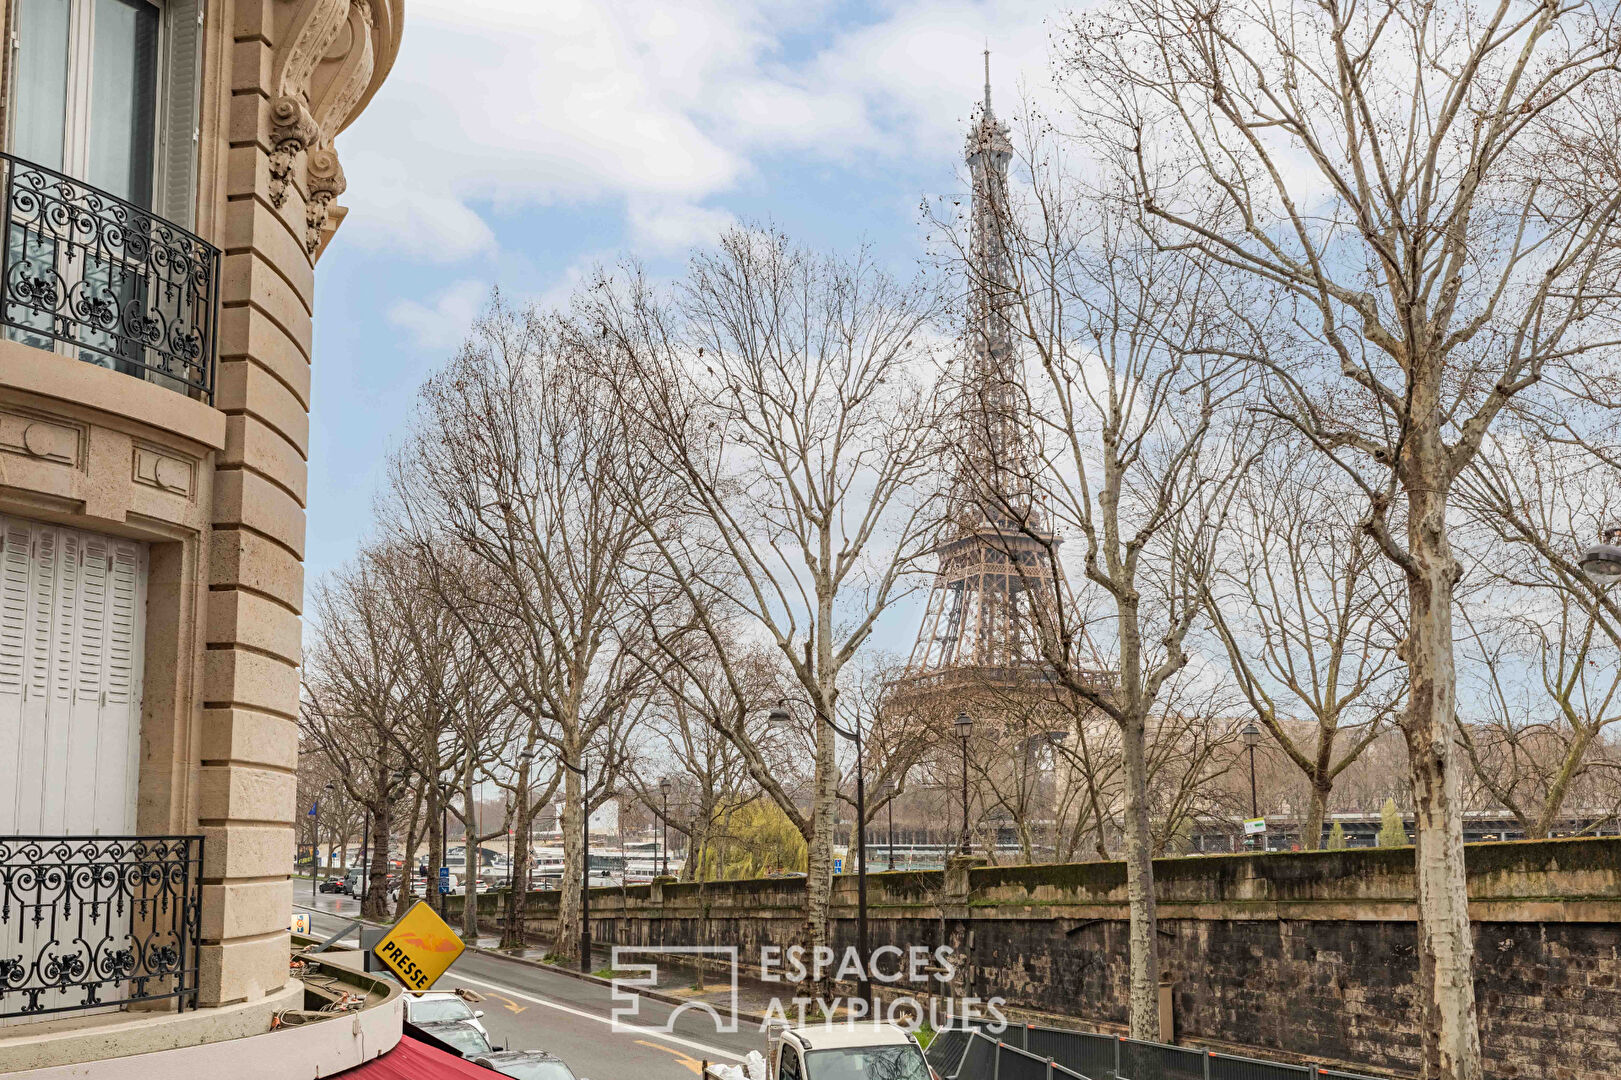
567 942
1311 835
518 854
473 864
407 870
1139 842
1446 944
819 878
376 904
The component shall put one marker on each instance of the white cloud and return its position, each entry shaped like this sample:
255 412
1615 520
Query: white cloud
658 108
665 227
441 323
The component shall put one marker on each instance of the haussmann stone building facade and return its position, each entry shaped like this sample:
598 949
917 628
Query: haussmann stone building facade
170 182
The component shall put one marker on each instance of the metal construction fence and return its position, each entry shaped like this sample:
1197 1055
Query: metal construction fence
1029 1052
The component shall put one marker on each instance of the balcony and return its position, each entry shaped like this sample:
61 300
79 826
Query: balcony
98 279
88 922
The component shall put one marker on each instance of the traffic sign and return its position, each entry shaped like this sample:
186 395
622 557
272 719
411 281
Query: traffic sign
838 866
444 880
1255 826
419 948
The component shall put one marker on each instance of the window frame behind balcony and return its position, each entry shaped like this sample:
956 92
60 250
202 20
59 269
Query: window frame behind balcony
170 189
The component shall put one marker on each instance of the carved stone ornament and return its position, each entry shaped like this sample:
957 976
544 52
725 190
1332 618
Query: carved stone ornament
319 76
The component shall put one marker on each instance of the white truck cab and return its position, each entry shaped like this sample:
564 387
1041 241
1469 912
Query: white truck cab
844 1051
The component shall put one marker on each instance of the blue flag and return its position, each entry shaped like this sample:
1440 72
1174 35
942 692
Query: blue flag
314 806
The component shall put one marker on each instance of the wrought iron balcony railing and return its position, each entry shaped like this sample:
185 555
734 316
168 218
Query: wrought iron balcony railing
88 922
94 277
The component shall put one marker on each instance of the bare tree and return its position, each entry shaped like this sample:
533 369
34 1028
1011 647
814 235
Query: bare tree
1543 636
1425 192
782 389
509 492
1305 607
353 711
1132 440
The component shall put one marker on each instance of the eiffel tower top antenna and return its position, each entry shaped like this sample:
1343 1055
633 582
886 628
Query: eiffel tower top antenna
987 78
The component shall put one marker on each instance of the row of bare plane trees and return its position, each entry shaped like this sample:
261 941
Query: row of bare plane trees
1318 311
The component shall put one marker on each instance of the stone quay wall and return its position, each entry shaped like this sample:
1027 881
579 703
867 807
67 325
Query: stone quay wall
1308 956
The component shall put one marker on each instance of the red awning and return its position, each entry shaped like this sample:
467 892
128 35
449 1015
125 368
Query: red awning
413 1059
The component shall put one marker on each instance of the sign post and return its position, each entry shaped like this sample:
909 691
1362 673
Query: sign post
419 948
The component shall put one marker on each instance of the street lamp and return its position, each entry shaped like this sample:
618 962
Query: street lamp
664 827
444 840
888 792
1601 562
315 848
1252 738
965 728
779 716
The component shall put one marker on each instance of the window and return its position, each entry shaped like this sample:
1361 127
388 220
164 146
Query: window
87 92
790 1064
106 92
423 1012
867 1063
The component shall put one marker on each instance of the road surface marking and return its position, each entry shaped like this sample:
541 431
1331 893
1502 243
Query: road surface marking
509 1005
711 1051
690 1062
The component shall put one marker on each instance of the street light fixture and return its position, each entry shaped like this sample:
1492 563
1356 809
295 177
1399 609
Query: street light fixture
1601 562
780 717
665 788
1252 738
965 727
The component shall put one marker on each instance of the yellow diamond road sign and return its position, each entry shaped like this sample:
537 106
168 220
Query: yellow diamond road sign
420 947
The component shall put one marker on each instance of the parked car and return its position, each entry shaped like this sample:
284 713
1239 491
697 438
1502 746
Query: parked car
433 1006
463 1037
526 1065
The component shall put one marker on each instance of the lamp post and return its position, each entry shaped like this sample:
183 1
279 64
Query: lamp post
889 794
779 717
444 840
1252 738
315 847
965 728
664 828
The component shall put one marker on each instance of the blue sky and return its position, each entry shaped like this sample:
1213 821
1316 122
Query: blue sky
519 142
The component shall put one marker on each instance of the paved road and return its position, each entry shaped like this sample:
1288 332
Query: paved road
530 1008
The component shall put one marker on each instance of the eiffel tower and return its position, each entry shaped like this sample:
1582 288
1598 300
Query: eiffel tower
995 563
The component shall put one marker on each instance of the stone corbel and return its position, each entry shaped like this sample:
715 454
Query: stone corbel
293 131
326 183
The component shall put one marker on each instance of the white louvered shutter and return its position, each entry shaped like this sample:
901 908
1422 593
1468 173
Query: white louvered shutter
15 572
72 618
183 59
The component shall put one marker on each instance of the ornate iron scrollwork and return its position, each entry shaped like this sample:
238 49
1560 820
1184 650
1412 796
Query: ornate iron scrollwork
91 921
117 285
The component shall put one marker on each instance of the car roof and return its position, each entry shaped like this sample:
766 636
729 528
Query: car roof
837 1036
